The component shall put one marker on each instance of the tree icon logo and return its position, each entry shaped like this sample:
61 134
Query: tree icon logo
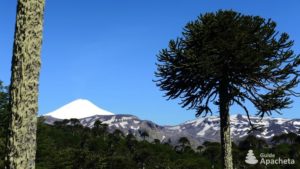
250 158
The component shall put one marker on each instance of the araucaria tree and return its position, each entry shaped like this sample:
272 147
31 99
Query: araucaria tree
227 58
24 84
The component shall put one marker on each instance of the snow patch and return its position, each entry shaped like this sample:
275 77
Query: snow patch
266 137
110 121
135 128
197 122
122 124
202 132
296 123
136 122
243 135
175 128
126 118
280 120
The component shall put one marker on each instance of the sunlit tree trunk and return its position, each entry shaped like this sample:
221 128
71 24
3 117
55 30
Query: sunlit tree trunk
21 146
225 126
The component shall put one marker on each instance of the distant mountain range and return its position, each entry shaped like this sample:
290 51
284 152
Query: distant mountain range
197 131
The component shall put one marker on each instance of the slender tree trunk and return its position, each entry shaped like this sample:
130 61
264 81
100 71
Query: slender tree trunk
225 126
21 146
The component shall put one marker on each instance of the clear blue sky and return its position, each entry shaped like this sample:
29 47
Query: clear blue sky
105 51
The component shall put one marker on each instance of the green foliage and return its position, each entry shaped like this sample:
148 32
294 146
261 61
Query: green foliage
252 142
75 146
227 58
78 147
183 145
245 55
144 134
69 145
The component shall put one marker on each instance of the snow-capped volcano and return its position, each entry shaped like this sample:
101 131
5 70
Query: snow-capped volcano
78 109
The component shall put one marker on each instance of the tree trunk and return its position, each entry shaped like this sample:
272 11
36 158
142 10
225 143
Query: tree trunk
21 146
225 126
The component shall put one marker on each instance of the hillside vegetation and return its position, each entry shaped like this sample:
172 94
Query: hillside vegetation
69 145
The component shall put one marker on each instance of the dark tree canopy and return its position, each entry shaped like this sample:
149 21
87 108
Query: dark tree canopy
247 52
184 141
144 134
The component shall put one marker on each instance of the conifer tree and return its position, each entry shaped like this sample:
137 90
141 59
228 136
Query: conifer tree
184 141
144 134
227 58
24 84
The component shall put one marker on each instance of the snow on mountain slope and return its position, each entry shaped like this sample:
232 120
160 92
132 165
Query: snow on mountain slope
209 127
79 109
197 131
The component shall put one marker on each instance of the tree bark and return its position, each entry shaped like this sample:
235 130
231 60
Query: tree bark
225 126
21 146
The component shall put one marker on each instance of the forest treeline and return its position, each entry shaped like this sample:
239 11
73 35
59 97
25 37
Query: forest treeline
69 145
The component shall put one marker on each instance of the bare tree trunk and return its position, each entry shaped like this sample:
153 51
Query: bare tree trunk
21 146
225 127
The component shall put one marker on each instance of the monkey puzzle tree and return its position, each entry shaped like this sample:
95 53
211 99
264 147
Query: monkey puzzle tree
228 58
24 84
183 143
144 134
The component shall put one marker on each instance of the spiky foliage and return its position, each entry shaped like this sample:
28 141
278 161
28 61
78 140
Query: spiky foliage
228 58
255 59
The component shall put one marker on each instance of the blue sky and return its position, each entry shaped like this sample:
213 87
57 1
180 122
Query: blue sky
105 51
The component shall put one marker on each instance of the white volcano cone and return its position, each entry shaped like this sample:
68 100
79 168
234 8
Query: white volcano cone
78 109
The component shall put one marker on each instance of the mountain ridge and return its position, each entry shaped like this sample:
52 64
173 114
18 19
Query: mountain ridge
197 130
